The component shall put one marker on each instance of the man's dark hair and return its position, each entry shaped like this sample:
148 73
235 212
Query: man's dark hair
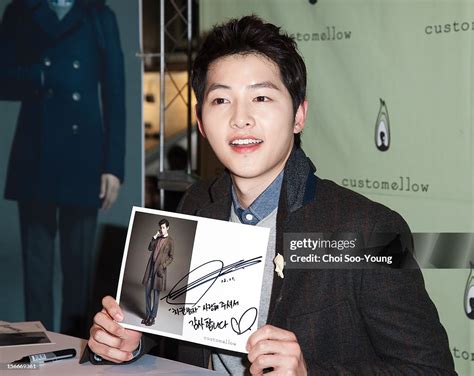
249 35
164 222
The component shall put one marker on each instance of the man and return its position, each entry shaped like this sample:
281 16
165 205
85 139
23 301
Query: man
67 156
250 84
154 279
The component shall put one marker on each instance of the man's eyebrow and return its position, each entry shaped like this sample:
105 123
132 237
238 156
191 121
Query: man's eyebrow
264 84
216 86
259 85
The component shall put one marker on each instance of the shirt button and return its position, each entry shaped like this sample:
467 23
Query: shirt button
75 129
76 97
47 62
248 217
76 64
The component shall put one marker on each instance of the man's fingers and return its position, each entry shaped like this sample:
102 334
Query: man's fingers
105 322
132 342
110 340
109 353
272 347
277 362
265 347
269 332
101 336
112 308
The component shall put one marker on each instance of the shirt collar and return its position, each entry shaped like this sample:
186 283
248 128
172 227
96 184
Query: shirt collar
263 205
61 3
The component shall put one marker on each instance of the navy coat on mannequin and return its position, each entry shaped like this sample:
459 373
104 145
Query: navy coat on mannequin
66 137
68 74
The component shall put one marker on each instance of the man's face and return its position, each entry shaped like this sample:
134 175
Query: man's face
247 116
164 230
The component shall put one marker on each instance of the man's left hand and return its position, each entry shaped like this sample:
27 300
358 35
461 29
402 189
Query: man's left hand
109 189
272 347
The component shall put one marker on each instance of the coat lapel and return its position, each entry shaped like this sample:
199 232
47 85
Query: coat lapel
221 199
45 18
72 19
297 190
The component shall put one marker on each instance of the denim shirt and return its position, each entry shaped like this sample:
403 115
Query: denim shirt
263 205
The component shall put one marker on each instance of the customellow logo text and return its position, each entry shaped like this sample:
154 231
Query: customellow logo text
402 184
327 34
450 27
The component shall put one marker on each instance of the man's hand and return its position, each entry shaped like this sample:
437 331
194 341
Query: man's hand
109 189
110 340
272 347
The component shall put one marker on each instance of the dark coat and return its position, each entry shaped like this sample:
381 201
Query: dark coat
69 77
159 260
348 321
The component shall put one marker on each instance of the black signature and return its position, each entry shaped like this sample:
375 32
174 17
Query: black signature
208 278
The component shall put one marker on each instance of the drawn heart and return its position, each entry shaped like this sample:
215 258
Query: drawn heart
245 322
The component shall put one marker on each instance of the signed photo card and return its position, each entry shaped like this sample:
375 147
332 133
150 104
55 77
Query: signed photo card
192 278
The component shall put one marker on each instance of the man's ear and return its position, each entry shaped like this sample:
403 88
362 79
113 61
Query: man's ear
199 121
300 117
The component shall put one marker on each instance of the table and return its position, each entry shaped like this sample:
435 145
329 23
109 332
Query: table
147 365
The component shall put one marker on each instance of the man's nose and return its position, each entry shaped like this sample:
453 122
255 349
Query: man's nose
241 116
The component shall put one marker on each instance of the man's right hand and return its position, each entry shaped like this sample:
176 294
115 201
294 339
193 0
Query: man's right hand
110 340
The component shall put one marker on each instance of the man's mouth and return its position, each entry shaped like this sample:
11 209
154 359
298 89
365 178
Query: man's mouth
245 141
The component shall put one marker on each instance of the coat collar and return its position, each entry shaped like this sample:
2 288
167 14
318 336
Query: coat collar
220 194
45 18
299 171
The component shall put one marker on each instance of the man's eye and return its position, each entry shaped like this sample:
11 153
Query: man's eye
219 101
262 98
